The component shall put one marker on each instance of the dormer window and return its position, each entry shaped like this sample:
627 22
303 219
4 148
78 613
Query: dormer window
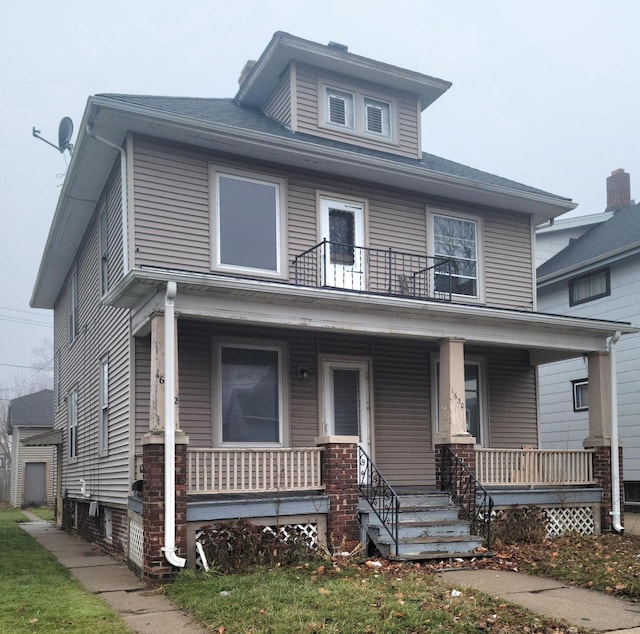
340 108
377 117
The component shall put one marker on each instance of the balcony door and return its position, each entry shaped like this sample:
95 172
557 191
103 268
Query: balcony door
346 400
343 262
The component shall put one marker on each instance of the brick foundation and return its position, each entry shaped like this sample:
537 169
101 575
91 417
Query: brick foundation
340 477
466 453
602 476
156 568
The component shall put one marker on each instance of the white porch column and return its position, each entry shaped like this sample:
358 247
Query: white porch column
157 378
599 400
452 415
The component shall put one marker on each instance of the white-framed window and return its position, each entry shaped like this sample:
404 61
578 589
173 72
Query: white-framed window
249 382
103 231
356 112
250 219
339 108
580 395
56 377
107 522
455 244
377 117
475 397
72 404
103 424
588 287
74 326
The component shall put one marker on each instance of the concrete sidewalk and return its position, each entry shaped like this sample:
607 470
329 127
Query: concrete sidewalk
586 608
145 611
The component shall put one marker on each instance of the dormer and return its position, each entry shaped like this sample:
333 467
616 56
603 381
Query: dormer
327 92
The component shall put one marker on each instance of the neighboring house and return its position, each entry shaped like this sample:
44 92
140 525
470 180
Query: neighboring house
283 299
32 468
596 275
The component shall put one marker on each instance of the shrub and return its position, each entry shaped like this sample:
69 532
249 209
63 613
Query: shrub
520 525
240 546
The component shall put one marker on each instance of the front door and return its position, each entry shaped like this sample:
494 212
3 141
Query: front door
342 225
346 400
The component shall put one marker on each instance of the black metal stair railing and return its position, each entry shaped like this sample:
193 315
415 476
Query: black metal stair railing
379 494
471 497
380 271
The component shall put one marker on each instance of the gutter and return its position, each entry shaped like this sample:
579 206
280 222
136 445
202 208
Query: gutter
169 548
123 192
615 458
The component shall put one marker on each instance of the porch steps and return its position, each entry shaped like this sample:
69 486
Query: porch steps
428 528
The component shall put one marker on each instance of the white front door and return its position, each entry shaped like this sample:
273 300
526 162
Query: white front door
346 400
342 225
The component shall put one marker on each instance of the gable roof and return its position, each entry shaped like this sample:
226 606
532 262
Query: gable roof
618 236
32 410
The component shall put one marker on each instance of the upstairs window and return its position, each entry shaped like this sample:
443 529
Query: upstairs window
586 288
377 116
103 430
580 395
103 230
73 424
73 306
456 240
339 108
249 223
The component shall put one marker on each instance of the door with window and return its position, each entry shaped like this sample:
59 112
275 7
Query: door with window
346 400
342 226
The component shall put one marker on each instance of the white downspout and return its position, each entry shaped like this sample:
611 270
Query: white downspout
124 195
169 548
615 459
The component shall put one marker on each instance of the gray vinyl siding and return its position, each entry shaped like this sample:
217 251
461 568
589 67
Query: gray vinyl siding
113 201
22 455
556 396
278 105
308 108
172 220
511 399
103 332
402 412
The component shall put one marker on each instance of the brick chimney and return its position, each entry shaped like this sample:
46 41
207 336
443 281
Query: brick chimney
618 190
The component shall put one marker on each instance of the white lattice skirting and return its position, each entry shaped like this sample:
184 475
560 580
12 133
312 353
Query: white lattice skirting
136 541
309 530
574 518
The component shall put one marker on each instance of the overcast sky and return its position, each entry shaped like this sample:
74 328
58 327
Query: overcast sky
544 92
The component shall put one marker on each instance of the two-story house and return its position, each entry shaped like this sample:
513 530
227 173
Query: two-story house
595 275
286 301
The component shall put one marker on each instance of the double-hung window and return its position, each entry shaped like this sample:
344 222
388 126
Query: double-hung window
455 251
588 287
250 401
103 425
73 424
249 221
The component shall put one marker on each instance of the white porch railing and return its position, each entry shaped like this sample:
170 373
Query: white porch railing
508 467
253 470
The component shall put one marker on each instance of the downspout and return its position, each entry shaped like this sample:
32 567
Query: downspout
615 458
169 548
123 193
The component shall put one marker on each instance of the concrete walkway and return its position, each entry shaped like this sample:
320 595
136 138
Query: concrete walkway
145 611
586 608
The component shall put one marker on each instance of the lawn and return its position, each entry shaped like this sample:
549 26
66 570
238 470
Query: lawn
346 598
43 512
39 595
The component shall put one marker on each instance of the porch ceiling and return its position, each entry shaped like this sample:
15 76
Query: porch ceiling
222 298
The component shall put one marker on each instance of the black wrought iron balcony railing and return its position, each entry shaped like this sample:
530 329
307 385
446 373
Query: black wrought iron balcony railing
381 271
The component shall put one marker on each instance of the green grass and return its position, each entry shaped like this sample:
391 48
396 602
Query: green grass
350 600
43 512
39 595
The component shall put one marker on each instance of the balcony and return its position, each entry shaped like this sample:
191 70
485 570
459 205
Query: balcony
380 271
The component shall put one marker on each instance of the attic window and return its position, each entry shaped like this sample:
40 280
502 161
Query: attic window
377 117
339 108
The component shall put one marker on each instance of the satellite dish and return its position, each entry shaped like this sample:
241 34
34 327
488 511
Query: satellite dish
65 132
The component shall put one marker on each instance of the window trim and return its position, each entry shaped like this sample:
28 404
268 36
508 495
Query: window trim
575 280
72 425
479 298
483 377
103 420
280 185
74 327
103 248
372 101
349 98
283 389
574 389
360 98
